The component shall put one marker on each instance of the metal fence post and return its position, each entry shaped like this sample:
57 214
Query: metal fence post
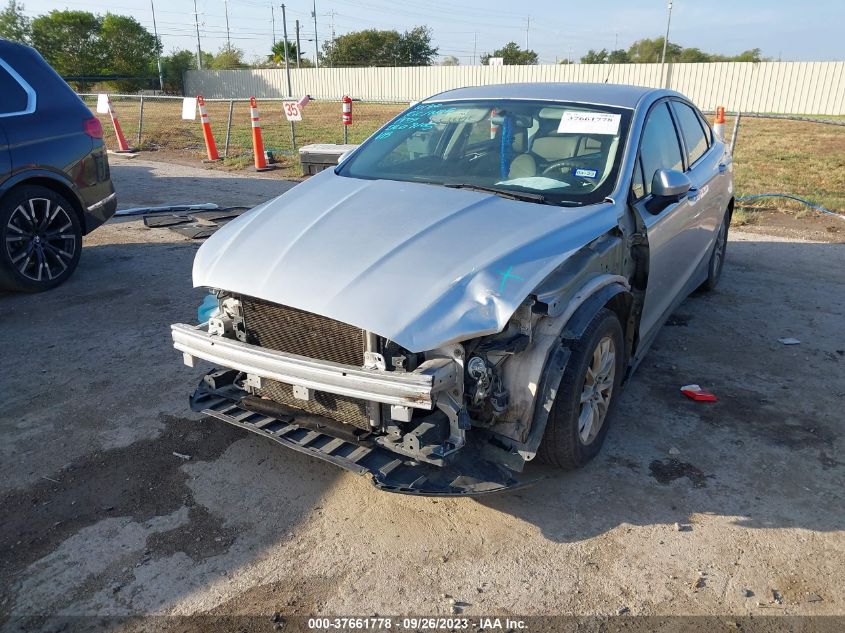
140 120
228 128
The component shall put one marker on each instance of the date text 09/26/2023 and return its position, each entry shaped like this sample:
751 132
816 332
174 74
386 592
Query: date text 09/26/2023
378 623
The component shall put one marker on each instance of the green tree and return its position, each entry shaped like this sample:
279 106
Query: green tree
277 54
14 25
173 66
752 55
693 56
373 47
227 58
415 48
595 57
618 56
650 51
69 41
512 55
129 51
370 47
450 60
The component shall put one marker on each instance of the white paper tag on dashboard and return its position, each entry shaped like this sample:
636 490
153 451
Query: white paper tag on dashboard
574 122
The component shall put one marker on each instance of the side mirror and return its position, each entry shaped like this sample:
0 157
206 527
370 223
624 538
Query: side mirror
667 186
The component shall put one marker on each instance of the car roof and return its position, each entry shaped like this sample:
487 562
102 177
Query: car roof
621 95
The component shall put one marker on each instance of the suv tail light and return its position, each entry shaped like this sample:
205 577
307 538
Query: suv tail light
93 127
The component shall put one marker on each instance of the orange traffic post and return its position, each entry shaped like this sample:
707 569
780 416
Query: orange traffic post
346 110
257 141
210 145
719 123
122 145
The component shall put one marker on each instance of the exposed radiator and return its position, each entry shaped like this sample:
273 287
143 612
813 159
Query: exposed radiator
295 331
298 332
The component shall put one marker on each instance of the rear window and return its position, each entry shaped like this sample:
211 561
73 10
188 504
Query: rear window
14 96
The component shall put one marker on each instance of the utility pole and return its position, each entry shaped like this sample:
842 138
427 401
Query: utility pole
474 46
199 47
331 13
226 11
158 49
298 50
316 47
665 42
527 30
287 61
273 24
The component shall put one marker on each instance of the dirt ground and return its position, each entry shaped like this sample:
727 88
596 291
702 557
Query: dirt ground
729 508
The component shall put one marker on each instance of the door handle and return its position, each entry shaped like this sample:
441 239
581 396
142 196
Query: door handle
692 194
722 168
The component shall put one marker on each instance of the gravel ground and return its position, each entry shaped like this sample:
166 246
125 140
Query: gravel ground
731 508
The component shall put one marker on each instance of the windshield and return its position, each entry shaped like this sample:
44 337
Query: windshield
568 153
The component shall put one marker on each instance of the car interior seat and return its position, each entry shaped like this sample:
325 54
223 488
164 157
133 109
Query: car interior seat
523 166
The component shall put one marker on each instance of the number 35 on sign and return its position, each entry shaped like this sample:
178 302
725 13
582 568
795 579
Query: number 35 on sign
292 111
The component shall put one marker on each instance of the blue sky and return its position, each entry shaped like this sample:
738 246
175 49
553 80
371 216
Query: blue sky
558 28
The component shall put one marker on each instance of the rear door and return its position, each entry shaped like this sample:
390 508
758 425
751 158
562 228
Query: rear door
671 263
704 170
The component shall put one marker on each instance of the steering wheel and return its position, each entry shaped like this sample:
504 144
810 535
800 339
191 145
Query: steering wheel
559 166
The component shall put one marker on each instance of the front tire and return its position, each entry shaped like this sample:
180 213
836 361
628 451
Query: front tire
40 239
578 421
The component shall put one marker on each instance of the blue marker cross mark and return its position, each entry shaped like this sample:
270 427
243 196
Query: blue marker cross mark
507 275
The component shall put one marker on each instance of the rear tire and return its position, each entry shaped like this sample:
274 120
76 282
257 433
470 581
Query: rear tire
578 421
717 257
40 239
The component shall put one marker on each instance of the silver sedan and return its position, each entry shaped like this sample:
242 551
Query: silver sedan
470 288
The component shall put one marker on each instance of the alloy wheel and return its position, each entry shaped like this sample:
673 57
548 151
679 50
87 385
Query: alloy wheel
40 239
597 390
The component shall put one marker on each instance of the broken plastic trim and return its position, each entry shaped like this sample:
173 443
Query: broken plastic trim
468 475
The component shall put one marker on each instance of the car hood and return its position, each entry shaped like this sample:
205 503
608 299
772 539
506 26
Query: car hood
421 265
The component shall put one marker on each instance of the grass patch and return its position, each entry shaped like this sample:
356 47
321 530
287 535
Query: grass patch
743 217
796 157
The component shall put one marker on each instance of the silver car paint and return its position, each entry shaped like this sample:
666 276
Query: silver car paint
420 264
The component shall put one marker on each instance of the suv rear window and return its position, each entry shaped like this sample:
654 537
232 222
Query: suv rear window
14 98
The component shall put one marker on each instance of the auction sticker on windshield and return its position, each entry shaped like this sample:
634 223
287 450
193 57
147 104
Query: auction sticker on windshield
579 122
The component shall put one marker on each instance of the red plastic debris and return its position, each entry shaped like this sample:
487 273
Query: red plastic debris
698 394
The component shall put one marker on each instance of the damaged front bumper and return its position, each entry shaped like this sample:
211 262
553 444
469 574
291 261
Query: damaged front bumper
468 471
416 390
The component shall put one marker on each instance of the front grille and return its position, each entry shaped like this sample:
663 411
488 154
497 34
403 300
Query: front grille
340 408
295 331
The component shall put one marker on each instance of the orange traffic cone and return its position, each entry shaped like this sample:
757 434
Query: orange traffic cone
122 145
257 141
210 145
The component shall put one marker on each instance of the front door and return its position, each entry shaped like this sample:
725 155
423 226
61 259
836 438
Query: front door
671 263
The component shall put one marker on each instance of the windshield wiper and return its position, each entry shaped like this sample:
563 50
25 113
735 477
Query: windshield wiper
524 196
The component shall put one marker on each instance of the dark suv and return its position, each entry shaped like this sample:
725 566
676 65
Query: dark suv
54 173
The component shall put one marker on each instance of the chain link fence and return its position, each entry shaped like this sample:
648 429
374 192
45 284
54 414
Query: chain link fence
154 123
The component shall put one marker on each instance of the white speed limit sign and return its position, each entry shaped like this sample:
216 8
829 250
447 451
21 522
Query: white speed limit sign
292 111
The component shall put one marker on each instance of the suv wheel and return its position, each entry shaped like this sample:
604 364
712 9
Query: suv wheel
41 239
578 420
